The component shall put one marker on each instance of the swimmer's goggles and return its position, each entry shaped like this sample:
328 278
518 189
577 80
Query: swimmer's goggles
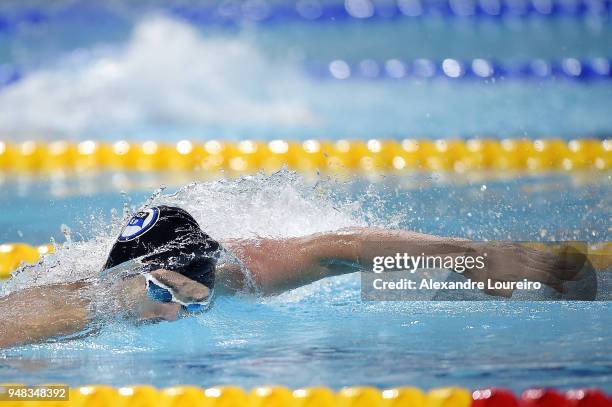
160 292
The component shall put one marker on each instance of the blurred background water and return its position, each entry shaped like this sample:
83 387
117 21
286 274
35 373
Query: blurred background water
323 333
360 69
245 70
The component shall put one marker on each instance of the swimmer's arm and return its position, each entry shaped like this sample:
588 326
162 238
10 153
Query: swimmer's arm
504 261
362 245
359 247
40 313
280 265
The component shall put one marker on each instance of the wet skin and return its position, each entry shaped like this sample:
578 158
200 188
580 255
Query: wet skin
275 265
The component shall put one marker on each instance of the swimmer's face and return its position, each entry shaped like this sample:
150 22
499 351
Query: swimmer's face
144 309
161 238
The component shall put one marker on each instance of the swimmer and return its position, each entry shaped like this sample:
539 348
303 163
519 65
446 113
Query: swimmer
163 267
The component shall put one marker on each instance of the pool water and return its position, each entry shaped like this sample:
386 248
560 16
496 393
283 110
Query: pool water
481 205
324 333
250 81
131 71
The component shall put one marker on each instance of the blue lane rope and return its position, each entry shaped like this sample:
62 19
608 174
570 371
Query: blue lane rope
580 70
313 10
318 10
481 69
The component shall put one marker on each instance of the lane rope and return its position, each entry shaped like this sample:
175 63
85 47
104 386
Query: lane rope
14 255
573 69
263 12
350 156
100 395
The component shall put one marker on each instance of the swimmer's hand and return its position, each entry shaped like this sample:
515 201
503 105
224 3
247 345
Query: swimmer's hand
137 305
514 262
185 289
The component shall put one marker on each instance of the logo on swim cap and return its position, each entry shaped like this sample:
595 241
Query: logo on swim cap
139 224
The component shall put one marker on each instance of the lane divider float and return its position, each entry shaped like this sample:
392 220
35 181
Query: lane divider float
144 396
14 255
322 11
574 69
248 156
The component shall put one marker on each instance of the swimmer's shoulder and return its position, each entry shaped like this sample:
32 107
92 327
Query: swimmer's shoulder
231 275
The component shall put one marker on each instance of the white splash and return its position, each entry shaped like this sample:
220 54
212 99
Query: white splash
280 205
168 74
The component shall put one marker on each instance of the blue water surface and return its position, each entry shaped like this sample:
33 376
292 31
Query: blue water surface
247 80
323 333
133 71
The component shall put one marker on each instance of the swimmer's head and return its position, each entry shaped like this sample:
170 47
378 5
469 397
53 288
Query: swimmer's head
166 237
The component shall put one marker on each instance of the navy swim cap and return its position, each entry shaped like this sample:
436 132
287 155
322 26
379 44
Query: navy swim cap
169 238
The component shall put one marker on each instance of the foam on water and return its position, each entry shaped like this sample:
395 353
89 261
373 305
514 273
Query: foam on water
167 75
286 204
281 205
169 80
327 333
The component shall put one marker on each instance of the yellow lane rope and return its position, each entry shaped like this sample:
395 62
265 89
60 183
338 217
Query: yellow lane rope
343 155
187 396
12 255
